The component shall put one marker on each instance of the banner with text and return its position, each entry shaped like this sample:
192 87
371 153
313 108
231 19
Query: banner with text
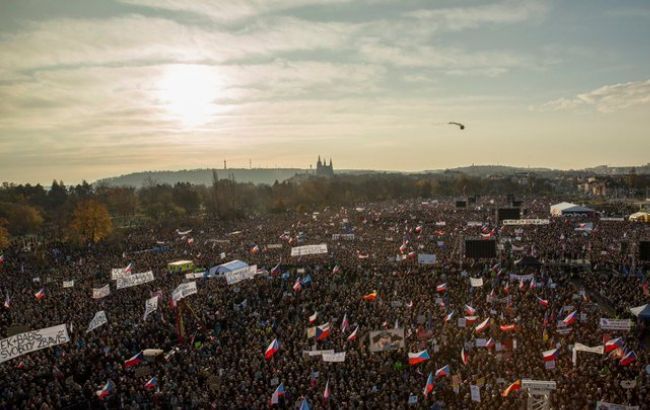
135 280
32 341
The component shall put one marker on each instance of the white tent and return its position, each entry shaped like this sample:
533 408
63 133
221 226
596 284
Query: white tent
567 208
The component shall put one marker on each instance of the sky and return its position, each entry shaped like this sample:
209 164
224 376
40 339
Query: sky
98 88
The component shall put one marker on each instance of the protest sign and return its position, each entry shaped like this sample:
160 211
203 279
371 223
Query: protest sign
306 250
117 273
183 290
68 284
334 357
343 236
426 258
476 282
475 392
31 341
102 292
135 280
242 274
386 340
274 246
98 320
616 324
150 306
603 405
526 222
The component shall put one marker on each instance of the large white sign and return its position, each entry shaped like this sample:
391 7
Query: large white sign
474 223
615 324
538 384
195 275
184 290
579 347
102 292
305 250
242 274
525 222
334 357
475 392
23 343
68 284
98 320
135 280
117 273
150 306
343 237
476 282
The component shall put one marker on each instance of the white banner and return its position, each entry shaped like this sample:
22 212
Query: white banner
476 282
475 392
579 347
135 280
102 292
150 306
313 353
519 278
27 342
474 223
525 222
239 275
612 219
343 237
320 249
184 290
98 320
542 385
426 258
274 246
603 405
68 284
441 223
117 273
334 357
615 324
195 275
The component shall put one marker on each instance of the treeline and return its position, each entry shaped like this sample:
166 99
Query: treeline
86 212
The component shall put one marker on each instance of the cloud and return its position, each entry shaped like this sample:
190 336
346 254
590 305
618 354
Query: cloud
460 18
608 98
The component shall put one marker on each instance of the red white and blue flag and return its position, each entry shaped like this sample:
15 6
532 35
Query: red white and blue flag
571 318
135 360
507 328
628 358
297 286
279 392
276 270
443 372
105 391
151 384
490 343
482 326
550 355
614 344
40 294
353 335
337 269
542 302
323 331
428 388
441 288
345 324
469 311
326 392
419 357
449 316
272 349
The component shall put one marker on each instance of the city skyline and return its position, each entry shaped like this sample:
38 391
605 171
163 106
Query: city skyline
93 89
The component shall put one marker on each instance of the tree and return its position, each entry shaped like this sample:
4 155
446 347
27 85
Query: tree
21 219
4 235
91 221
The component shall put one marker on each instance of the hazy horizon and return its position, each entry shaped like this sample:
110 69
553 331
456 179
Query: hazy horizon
94 89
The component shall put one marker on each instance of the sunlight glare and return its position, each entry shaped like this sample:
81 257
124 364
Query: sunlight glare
188 92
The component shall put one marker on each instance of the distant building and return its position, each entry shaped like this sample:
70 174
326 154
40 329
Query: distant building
324 170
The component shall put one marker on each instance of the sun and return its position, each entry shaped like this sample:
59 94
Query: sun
188 92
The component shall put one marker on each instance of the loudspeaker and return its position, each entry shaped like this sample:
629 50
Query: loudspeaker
508 213
478 248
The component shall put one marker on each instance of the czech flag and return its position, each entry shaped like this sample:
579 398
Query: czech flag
514 386
272 349
507 328
402 249
482 326
353 335
128 268
449 316
469 320
345 325
542 302
532 285
490 343
613 344
550 355
297 286
151 384
337 269
628 358
134 361
323 331
370 296
507 288
571 318
441 288
469 311
279 392
2 259
326 392
464 357
106 391
443 372
276 270
40 294
312 318
419 357
304 405
428 388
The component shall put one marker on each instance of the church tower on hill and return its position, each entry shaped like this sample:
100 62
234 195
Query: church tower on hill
324 170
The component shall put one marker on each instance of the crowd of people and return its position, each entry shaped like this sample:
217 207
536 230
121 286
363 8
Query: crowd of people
208 349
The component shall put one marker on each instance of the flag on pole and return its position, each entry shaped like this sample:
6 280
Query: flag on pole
542 302
419 357
443 372
134 361
628 358
105 391
441 288
571 318
514 386
370 296
312 318
482 326
464 357
272 349
304 405
428 387
40 294
550 355
279 392
297 286
469 311
449 316
353 335
322 332
345 325
326 392
151 384
507 328
614 344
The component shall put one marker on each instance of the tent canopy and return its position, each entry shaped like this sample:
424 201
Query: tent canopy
640 217
227 267
566 208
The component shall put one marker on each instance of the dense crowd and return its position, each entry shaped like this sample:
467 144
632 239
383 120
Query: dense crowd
213 343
